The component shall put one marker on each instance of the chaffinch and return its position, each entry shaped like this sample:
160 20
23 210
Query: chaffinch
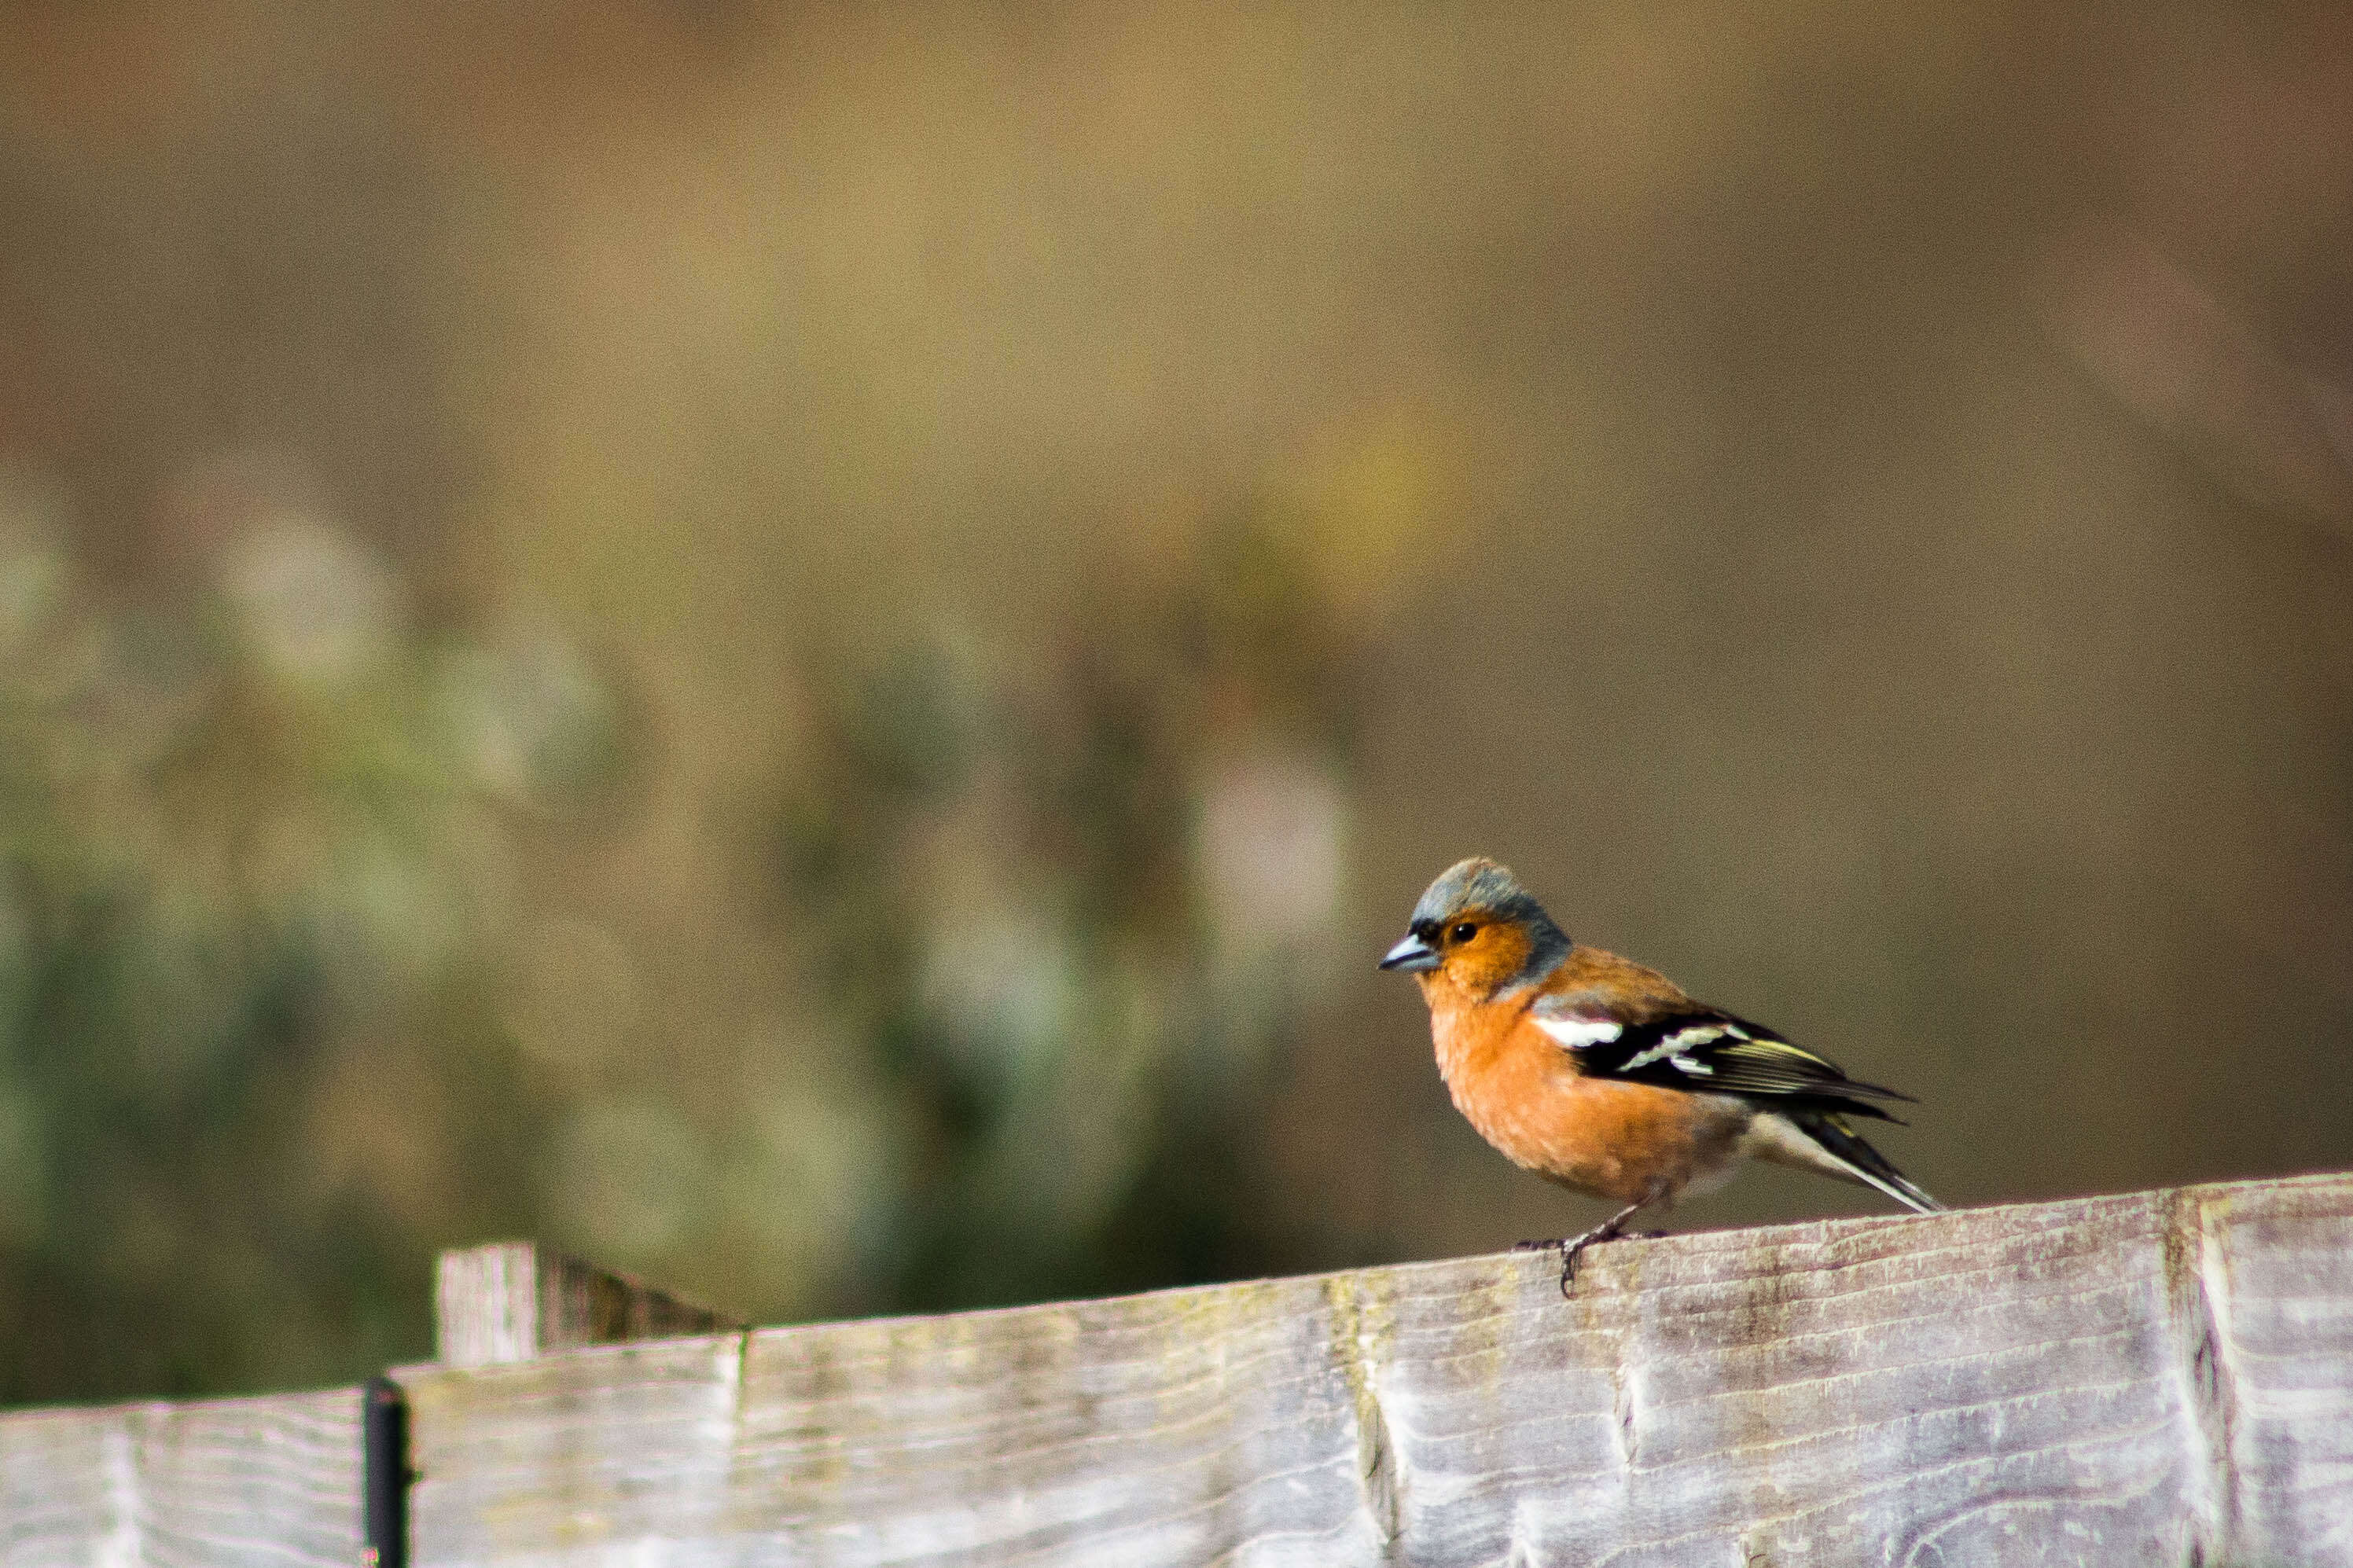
1604 1077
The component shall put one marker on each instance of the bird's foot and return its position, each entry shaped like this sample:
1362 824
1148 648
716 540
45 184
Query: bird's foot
1570 1246
1566 1244
1611 1229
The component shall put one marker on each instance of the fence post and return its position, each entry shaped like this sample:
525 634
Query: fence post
511 1300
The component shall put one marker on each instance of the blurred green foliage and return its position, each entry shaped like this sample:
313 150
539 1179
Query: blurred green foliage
243 867
265 926
1072 900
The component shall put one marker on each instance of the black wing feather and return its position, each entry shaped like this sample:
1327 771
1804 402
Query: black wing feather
1707 1050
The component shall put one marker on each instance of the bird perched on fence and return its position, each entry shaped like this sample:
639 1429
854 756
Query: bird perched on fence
1603 1076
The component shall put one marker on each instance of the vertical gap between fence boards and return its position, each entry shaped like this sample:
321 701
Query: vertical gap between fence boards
384 1474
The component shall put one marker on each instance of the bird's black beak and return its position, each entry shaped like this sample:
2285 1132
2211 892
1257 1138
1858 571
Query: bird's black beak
1411 956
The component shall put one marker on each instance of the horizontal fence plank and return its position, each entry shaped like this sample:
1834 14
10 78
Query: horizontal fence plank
2159 1378
271 1481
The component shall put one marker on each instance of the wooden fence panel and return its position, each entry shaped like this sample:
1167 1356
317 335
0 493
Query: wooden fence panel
2161 1378
273 1481
2278 1271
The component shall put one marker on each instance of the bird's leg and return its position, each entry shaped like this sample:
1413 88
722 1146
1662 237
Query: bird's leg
1609 1229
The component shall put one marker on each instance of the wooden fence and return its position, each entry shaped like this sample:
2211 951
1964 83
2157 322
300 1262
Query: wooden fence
2157 1378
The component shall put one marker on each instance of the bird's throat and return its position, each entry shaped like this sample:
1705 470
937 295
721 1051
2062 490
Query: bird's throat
1469 1038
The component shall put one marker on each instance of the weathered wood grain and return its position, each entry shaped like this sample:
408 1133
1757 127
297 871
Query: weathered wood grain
511 1300
271 1481
2159 1378
2162 1378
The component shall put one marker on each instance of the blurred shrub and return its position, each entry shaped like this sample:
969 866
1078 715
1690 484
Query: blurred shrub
284 1006
252 895
1070 898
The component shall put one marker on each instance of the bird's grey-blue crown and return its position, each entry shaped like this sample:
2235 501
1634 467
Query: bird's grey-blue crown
1480 885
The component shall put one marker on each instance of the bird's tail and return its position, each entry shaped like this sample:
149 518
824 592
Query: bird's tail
1858 1160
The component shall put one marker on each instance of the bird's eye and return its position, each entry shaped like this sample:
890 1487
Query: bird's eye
1465 931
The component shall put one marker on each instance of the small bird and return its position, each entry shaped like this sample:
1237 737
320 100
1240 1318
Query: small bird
1603 1076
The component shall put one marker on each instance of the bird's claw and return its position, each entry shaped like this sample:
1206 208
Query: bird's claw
1571 1246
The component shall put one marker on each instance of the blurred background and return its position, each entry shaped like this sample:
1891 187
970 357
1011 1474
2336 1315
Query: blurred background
810 649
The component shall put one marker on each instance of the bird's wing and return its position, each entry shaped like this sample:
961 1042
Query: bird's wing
1697 1047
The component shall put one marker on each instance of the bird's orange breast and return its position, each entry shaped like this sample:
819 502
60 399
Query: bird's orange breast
1626 1142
